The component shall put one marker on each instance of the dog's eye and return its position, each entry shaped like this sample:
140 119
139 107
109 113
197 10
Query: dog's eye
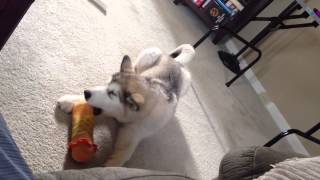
111 93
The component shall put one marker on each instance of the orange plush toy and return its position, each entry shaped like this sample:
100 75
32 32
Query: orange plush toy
81 145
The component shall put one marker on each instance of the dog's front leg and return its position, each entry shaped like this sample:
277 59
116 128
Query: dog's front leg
126 144
66 102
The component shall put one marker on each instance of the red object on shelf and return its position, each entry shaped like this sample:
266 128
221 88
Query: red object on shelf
198 2
317 12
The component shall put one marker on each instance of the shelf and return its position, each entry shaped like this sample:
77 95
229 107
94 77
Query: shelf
236 22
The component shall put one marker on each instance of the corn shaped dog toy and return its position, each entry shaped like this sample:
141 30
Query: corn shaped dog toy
81 146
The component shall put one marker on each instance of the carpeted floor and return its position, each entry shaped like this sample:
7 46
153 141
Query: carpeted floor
62 47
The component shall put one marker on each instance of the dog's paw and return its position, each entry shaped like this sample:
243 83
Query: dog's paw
65 103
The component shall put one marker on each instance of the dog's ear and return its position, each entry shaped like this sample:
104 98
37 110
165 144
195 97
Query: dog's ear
135 101
126 65
138 98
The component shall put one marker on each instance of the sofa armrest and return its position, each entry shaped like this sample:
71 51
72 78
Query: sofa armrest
250 163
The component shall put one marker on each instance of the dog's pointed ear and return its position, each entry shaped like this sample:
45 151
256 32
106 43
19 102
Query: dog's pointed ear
126 65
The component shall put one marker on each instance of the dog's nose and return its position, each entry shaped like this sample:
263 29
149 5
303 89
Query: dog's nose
87 94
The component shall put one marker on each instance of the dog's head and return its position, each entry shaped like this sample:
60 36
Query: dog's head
123 97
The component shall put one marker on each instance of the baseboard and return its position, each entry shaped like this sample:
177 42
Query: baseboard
271 107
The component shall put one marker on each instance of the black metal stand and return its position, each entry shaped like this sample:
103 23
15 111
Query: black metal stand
231 61
307 135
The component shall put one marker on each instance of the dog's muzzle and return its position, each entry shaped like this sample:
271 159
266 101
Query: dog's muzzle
97 111
87 95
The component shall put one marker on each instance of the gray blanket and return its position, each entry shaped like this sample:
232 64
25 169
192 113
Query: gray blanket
111 174
294 169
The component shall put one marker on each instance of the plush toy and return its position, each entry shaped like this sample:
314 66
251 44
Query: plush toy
81 145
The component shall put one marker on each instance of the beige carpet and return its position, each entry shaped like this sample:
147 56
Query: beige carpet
62 47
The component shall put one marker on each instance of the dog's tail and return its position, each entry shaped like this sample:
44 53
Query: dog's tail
183 54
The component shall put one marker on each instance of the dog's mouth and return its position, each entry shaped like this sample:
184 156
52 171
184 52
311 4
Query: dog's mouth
97 111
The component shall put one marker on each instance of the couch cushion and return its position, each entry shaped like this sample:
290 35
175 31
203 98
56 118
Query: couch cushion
296 168
114 173
249 163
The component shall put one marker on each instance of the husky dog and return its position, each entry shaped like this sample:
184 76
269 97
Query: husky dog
142 96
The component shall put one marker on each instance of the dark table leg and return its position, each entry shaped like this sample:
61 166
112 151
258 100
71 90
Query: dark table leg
307 135
231 61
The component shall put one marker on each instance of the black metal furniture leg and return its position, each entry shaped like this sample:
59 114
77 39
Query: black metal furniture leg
304 25
228 84
228 59
248 44
313 129
272 25
268 29
205 36
307 135
231 61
